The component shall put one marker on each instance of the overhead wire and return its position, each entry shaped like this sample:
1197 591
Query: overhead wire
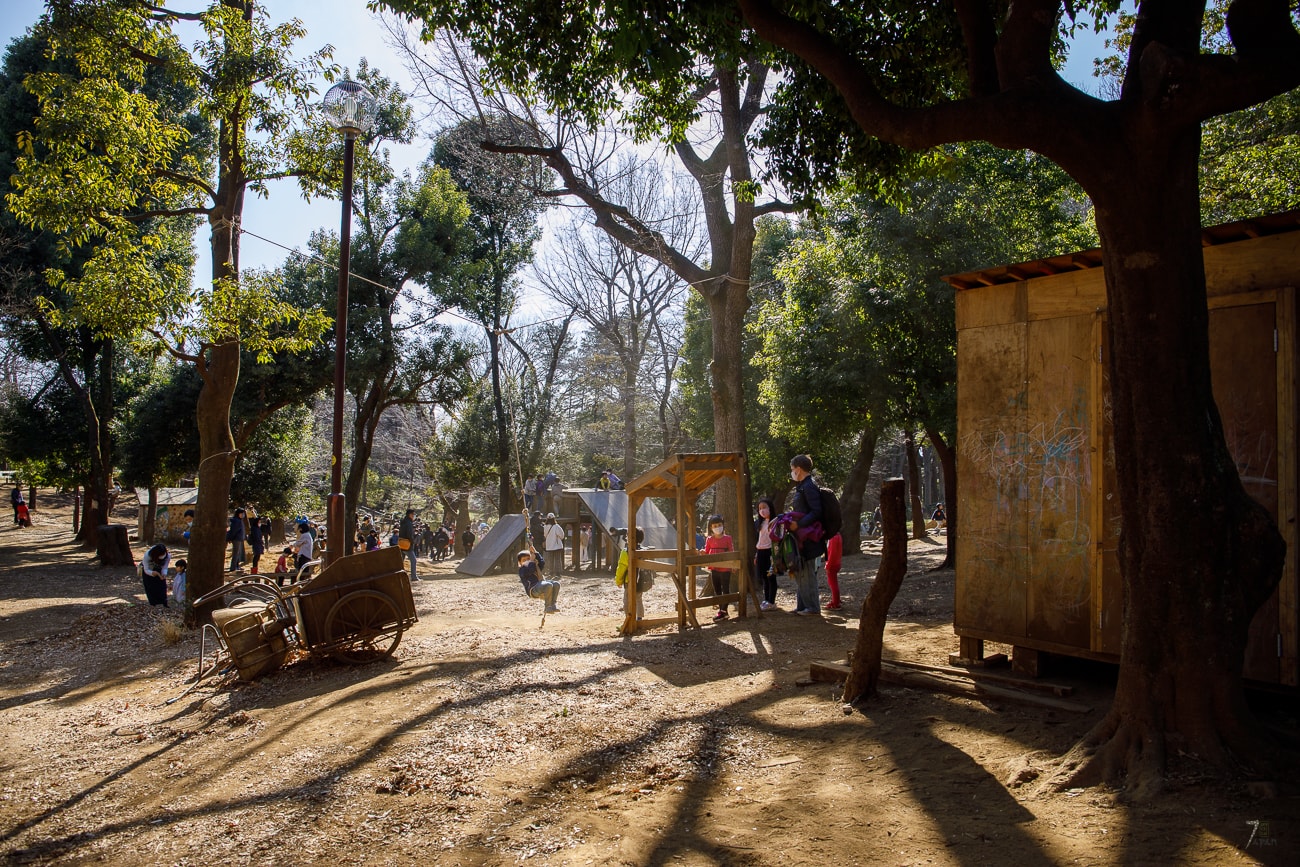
452 312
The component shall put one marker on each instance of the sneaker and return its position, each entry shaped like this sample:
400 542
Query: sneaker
807 612
721 615
765 606
834 606
552 610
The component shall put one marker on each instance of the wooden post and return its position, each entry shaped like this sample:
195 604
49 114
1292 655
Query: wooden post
868 651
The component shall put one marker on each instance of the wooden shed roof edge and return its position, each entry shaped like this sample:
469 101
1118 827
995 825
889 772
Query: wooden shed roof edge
1211 236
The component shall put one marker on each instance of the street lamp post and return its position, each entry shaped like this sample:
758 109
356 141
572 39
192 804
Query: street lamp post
351 109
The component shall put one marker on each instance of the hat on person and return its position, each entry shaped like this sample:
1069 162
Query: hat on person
550 516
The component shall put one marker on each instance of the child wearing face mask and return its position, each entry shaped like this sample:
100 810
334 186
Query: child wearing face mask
717 542
763 552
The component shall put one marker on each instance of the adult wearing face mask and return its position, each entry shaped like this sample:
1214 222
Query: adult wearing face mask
808 505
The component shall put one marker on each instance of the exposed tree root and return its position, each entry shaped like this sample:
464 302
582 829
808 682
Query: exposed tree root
1131 757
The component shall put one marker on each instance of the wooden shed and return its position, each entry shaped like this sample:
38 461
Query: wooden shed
1038 516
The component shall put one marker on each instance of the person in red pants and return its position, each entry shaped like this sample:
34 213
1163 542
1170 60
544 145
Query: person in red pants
834 554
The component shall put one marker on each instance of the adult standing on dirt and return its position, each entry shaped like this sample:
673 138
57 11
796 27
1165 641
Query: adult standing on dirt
304 546
256 540
406 541
808 505
554 536
236 535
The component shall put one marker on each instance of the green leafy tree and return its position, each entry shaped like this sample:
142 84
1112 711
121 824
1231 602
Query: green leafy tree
710 132
107 162
865 83
864 294
503 214
86 360
1250 159
1197 573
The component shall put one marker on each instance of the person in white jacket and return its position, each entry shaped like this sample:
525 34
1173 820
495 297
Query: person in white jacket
553 538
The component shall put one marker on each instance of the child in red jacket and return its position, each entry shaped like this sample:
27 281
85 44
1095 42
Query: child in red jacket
718 542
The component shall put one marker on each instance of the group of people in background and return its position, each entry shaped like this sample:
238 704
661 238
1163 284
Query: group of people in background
540 492
419 539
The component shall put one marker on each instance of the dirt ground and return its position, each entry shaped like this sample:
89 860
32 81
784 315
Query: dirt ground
489 740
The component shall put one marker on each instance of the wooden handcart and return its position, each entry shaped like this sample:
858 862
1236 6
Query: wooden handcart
355 610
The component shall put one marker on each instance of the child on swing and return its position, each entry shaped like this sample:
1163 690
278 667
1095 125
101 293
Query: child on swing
537 587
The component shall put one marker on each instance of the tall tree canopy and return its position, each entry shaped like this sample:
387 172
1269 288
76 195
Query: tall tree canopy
865 81
107 161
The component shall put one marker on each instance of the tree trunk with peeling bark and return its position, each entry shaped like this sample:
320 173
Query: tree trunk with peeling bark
868 650
948 463
1199 555
854 490
914 487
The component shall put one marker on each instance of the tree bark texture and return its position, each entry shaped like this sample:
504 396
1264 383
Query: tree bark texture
868 650
914 487
948 463
220 370
505 502
149 528
854 488
113 546
1198 555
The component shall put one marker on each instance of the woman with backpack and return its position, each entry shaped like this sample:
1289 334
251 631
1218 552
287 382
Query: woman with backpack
808 506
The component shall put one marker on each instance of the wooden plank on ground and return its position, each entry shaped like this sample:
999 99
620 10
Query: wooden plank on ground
835 672
1057 689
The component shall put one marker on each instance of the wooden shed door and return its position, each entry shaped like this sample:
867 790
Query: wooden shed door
1244 370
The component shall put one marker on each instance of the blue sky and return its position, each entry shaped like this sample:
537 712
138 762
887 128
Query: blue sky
345 24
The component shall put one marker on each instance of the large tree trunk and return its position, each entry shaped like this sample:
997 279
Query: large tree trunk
914 487
1198 556
630 370
364 426
504 499
218 367
855 487
868 650
220 370
149 527
948 462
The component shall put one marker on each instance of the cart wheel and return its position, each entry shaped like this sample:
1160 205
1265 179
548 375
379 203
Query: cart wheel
366 622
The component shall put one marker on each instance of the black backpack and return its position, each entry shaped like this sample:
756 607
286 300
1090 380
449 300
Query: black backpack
832 518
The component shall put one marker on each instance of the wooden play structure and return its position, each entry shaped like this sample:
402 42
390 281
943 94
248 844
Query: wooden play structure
1038 517
681 479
